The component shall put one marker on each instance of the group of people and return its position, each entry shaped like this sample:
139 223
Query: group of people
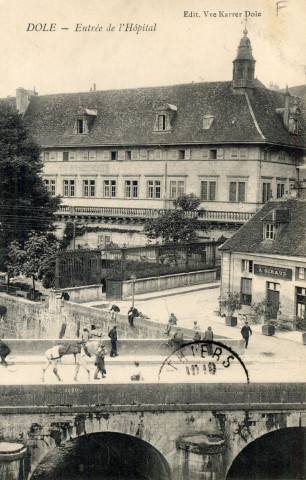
132 313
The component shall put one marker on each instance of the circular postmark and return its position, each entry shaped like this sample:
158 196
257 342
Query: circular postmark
203 361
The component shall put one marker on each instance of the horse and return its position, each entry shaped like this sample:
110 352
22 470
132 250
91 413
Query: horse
80 350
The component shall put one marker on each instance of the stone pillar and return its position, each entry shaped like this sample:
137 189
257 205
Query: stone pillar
202 455
12 461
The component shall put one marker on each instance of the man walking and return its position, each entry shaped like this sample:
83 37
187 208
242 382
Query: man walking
100 362
4 352
113 337
246 332
209 335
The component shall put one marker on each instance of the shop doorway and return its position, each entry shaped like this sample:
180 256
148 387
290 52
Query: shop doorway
273 300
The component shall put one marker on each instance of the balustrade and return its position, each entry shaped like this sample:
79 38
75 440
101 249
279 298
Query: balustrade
125 212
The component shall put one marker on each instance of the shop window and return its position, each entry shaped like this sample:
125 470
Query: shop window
300 273
246 291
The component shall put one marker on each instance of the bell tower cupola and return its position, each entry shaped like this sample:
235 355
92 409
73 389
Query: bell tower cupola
244 65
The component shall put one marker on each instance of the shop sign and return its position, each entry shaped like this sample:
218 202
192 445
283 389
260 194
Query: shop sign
275 272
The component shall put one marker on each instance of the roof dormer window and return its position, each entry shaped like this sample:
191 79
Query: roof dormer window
83 121
80 125
207 121
165 113
269 231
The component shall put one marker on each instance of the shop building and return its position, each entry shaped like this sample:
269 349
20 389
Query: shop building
266 260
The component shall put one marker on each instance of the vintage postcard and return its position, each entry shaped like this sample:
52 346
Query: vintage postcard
152 239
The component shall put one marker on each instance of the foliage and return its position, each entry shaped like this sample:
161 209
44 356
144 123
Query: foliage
176 225
187 203
231 303
36 259
26 204
264 309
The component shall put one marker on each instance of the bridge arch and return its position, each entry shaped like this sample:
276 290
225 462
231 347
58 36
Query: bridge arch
277 455
104 455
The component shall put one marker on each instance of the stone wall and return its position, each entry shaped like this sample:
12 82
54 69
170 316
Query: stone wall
26 319
165 282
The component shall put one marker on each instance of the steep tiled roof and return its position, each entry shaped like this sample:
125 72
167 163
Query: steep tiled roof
127 117
290 239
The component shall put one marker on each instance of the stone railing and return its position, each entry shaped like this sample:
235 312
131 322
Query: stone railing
125 212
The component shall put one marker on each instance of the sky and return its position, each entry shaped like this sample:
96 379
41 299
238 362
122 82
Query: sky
181 44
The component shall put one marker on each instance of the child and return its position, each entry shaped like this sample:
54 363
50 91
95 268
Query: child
137 376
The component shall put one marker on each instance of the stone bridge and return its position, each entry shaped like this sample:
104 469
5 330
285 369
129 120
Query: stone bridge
153 431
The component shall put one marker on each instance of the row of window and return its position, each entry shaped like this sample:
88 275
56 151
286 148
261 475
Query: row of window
143 154
267 192
247 267
208 189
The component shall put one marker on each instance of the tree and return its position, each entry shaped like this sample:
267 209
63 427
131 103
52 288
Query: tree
176 225
36 259
26 204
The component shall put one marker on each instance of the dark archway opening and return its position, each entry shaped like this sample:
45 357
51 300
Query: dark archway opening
278 455
103 456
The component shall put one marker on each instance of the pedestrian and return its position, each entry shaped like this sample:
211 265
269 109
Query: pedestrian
197 336
246 332
168 328
100 362
209 336
113 312
132 313
172 319
137 375
196 326
85 335
113 336
177 339
4 352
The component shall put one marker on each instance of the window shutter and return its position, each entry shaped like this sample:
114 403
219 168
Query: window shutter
106 155
241 192
99 155
220 153
232 192
135 154
158 154
75 128
85 126
187 154
143 154
205 153
92 155
121 154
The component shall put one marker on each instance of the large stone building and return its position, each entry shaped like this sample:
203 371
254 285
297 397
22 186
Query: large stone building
117 157
266 260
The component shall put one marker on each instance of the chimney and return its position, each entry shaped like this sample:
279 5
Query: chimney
94 87
23 99
287 108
